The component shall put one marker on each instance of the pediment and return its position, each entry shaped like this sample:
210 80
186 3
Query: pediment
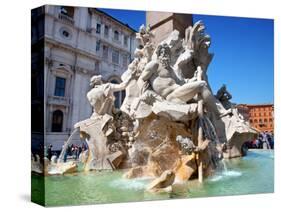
64 69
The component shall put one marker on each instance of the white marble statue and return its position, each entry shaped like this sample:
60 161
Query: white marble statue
101 96
145 46
166 82
100 125
163 80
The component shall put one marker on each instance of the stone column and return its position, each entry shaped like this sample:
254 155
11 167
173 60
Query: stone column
163 23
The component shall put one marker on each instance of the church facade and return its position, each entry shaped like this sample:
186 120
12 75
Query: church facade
79 42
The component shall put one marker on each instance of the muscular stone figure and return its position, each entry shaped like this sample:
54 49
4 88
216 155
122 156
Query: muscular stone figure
101 96
164 82
100 125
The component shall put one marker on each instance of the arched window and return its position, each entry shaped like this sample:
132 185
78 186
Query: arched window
123 96
57 121
119 96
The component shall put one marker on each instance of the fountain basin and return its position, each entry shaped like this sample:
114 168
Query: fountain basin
251 174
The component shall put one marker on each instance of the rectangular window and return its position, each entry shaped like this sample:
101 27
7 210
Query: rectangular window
97 66
106 29
97 46
115 56
105 52
126 40
60 86
89 23
125 60
57 122
98 28
116 35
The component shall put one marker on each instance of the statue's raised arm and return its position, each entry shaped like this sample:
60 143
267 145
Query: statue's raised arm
124 84
101 96
149 70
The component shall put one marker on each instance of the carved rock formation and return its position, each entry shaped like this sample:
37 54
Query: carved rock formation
162 183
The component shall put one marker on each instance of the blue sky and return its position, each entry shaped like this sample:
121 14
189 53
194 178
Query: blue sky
243 49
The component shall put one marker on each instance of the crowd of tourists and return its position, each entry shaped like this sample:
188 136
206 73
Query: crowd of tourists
71 152
265 140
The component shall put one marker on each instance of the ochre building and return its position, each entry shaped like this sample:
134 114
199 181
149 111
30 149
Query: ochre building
260 116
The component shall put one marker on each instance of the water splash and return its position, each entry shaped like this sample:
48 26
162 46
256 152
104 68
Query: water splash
225 173
232 173
224 165
216 178
133 184
60 159
55 171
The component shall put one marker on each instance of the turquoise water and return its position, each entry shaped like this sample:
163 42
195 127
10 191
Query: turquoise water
248 175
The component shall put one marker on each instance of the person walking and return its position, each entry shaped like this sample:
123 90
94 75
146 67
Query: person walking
76 152
49 152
